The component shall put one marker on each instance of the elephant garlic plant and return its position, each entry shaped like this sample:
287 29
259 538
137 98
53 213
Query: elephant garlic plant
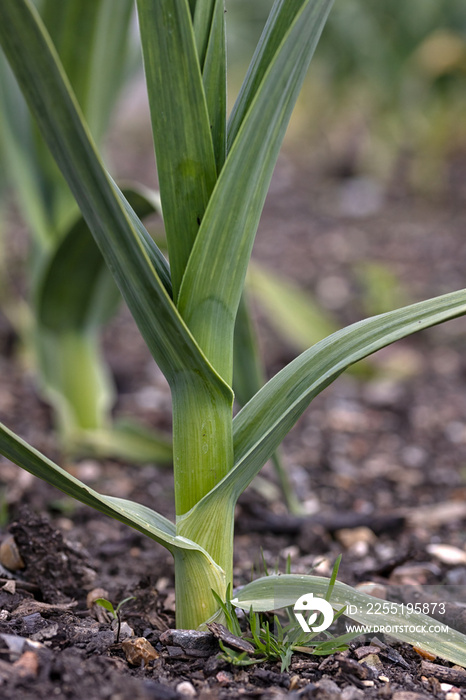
214 174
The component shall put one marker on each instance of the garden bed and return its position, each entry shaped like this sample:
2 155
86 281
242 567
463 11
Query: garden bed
379 463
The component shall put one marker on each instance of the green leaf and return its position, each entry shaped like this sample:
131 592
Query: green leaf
180 124
194 563
248 378
275 592
141 518
104 603
263 423
281 17
91 39
209 30
291 312
77 290
212 286
248 372
135 261
74 378
125 440
19 161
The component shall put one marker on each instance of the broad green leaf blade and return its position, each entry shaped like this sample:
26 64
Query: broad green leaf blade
105 604
91 39
67 24
133 514
180 124
209 30
212 285
282 15
275 592
19 163
262 424
75 378
76 290
126 440
196 566
135 261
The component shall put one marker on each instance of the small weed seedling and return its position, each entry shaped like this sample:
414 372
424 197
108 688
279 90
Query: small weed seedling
115 612
273 639
214 175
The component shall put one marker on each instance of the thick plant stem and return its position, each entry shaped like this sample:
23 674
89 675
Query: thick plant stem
202 438
202 456
195 578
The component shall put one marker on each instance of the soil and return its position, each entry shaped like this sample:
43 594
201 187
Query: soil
378 461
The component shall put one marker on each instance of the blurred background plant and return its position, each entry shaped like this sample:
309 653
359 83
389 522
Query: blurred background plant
70 294
388 91
384 101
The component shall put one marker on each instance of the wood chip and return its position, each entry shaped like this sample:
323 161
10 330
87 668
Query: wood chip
9 587
434 515
455 676
221 632
425 654
30 606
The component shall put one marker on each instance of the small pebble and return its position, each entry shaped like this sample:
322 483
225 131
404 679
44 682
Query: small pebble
139 651
126 632
373 662
224 677
362 652
445 687
351 536
368 684
187 689
377 590
453 695
27 664
10 557
447 553
352 693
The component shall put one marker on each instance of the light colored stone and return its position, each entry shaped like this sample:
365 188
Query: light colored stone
349 537
187 689
10 557
447 554
139 651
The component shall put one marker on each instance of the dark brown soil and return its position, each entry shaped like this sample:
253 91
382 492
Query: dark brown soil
379 464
